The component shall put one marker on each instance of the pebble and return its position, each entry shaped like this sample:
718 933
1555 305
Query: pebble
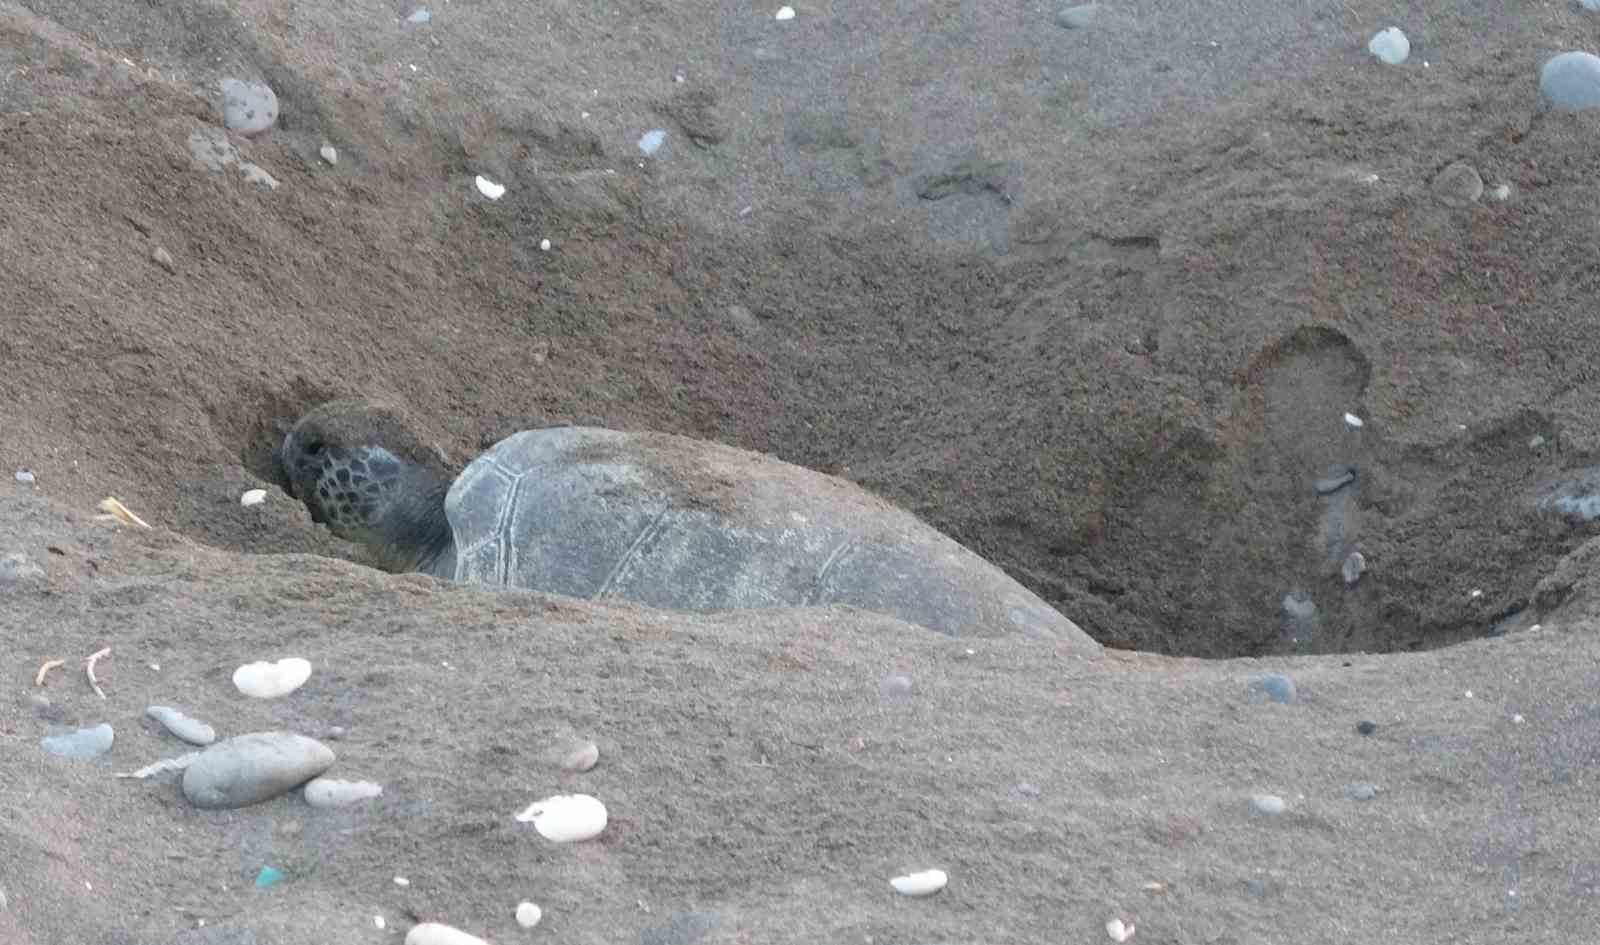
581 757
267 876
211 147
164 259
1362 792
1458 185
252 497
1390 45
269 680
434 933
1500 192
1078 17
1354 422
785 13
1571 81
81 745
651 142
332 792
925 883
566 818
190 730
329 153
17 568
249 769
1366 728
1119 931
419 16
544 246
24 476
248 107
528 914
1590 5
1267 803
1274 687
1355 565
1298 606
489 188
895 687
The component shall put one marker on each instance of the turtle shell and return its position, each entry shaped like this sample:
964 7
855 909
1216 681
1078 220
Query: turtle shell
683 524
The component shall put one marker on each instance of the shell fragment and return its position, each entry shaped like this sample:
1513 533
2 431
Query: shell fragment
269 680
489 188
925 883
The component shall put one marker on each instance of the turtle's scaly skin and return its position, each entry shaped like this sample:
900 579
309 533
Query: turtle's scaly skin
361 472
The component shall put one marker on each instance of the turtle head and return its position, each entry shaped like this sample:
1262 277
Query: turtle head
362 472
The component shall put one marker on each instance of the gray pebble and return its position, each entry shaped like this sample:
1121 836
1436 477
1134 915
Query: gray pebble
190 730
419 16
81 745
164 259
18 568
1298 606
895 687
1078 17
249 769
248 107
1362 792
1571 81
1458 185
1274 687
1355 565
331 792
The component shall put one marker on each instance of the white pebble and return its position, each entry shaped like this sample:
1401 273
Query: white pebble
190 730
269 680
528 914
1500 192
329 153
1118 931
489 188
1268 803
925 883
332 792
1390 45
378 922
432 933
1353 421
1355 565
786 13
253 497
24 476
652 141
419 16
401 881
566 818
544 246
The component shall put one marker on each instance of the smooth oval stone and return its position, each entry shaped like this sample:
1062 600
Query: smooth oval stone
1390 45
269 680
1355 565
1571 81
528 914
249 769
1362 792
81 745
1268 803
190 730
248 107
1078 17
566 818
1275 687
581 757
435 933
1458 185
925 883
332 792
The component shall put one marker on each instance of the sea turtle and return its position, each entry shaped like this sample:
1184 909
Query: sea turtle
654 518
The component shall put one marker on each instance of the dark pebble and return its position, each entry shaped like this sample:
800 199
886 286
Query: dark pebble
1366 728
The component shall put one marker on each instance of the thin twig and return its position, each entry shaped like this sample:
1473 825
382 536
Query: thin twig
89 668
38 678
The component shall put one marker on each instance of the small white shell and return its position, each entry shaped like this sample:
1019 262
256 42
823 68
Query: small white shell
528 914
925 883
270 680
786 13
1118 931
489 188
329 153
432 933
253 497
566 818
1354 421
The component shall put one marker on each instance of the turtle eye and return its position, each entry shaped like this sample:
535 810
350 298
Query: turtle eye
313 448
